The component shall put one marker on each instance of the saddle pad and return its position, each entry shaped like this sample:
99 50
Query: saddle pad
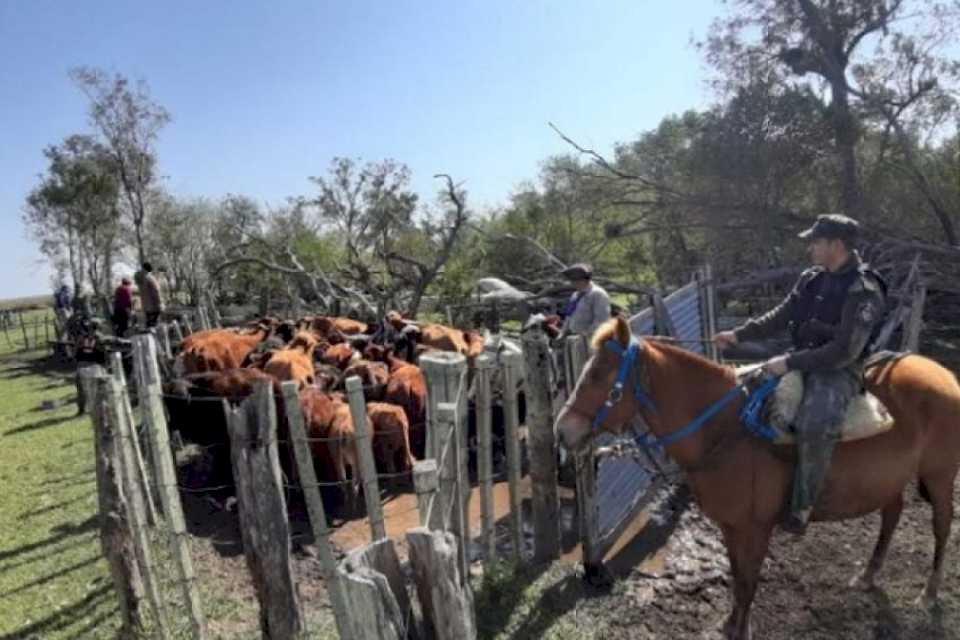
866 416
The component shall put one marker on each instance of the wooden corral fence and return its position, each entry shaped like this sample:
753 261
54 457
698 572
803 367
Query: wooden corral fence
145 536
28 333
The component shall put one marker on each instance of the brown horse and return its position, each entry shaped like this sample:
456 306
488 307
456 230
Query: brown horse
742 482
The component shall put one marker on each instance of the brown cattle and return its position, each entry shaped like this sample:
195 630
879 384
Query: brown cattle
218 349
373 375
391 437
339 355
295 362
407 388
329 426
439 337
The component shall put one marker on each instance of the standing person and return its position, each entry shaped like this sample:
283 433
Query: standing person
151 298
122 307
832 313
589 305
61 304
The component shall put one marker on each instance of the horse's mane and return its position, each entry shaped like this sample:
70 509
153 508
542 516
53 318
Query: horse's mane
676 352
617 329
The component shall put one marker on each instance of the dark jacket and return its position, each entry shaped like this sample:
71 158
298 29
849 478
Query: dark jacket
831 316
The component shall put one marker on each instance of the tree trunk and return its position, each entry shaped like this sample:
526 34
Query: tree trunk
845 139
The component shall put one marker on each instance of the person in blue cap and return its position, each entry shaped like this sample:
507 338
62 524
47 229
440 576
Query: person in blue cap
832 313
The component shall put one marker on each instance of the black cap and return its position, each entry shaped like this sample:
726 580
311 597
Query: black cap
579 271
832 226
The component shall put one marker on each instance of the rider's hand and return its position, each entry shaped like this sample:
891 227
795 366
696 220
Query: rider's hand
725 339
776 366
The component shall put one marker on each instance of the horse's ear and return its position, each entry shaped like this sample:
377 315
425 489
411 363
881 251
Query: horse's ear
623 332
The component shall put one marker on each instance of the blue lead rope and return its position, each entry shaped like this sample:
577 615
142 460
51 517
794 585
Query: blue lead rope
750 414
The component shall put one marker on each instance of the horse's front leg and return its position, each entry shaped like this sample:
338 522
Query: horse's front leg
746 547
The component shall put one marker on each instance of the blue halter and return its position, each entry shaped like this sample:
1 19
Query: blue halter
628 358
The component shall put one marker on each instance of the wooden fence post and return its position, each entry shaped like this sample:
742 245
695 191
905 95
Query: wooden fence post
910 340
429 502
263 512
511 363
587 507
377 589
484 403
318 517
23 327
446 377
368 467
452 477
445 597
177 333
155 422
543 447
117 415
132 444
663 322
87 386
116 539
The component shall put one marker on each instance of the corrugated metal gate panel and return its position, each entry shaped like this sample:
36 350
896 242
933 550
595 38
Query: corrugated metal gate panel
621 480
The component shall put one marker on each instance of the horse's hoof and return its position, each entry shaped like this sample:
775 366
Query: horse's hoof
863 581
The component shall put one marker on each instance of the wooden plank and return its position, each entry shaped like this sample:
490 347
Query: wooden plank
263 513
87 386
664 324
426 482
318 517
914 324
26 340
145 493
587 507
446 375
116 539
118 416
511 368
389 610
451 476
545 495
368 467
484 367
155 422
445 598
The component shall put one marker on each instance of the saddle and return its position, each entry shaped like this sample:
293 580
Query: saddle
866 416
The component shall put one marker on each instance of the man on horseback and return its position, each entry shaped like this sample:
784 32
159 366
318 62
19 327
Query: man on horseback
832 313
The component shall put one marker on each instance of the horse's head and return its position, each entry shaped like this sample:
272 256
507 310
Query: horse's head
607 395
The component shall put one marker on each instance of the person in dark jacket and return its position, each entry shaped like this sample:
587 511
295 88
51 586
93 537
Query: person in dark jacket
832 313
122 307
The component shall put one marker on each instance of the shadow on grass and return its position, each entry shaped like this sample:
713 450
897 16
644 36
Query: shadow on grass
42 424
60 533
65 617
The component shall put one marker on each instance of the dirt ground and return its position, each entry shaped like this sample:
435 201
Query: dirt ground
671 577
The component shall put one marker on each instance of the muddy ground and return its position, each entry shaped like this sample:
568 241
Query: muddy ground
671 577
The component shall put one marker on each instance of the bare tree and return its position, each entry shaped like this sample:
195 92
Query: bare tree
128 121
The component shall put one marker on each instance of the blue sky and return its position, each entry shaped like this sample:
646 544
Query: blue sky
265 94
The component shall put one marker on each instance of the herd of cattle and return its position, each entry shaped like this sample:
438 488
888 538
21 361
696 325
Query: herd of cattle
319 354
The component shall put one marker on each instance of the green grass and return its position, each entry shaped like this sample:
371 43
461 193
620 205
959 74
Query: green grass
54 582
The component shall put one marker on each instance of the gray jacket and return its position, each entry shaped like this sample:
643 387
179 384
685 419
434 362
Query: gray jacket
592 310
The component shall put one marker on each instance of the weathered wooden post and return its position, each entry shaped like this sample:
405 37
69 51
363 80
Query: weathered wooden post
914 324
368 467
377 592
86 386
511 363
663 322
452 477
263 512
116 538
446 377
318 517
117 416
155 422
177 333
23 327
543 447
587 508
445 597
132 444
426 482
484 402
